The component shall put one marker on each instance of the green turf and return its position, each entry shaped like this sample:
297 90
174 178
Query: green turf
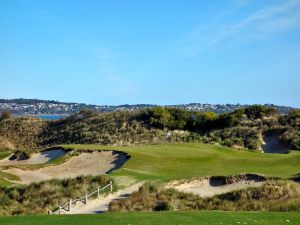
160 218
175 161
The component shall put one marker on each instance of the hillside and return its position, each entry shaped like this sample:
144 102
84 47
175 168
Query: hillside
243 128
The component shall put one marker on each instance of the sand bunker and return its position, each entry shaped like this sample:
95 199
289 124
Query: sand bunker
37 158
94 163
210 186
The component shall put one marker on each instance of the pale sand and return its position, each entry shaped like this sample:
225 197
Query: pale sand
204 188
95 163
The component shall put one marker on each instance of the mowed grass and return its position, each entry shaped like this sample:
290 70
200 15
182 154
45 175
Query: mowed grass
176 161
161 218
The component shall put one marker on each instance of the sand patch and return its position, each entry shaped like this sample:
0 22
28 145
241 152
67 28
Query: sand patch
94 163
209 186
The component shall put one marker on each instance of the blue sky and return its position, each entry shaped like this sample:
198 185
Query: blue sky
158 51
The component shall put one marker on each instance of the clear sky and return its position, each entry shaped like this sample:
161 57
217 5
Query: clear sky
151 51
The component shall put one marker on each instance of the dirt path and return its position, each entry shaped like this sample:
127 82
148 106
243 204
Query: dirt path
101 204
95 163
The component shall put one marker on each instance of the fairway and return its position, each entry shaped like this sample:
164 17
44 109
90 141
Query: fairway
176 161
162 218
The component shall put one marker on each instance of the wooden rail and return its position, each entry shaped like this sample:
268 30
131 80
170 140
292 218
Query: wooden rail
68 206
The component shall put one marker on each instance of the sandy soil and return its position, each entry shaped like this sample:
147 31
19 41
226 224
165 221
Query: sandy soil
95 163
37 158
204 188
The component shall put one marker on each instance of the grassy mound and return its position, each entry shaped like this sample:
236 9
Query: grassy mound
240 129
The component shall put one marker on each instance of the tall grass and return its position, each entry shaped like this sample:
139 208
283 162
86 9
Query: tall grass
38 198
274 195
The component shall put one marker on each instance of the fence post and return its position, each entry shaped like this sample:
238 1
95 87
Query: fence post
86 198
111 188
98 190
49 212
70 205
59 211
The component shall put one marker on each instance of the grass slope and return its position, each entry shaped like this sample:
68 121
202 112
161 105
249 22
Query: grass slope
176 161
162 218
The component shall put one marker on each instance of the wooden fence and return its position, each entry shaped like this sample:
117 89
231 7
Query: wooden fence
72 202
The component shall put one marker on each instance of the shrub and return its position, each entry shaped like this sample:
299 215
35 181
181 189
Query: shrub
5 115
162 206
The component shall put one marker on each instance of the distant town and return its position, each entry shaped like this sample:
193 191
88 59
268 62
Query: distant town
44 107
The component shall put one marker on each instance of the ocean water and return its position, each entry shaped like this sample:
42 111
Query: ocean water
51 117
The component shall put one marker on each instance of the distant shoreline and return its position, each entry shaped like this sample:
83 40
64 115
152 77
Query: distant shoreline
44 116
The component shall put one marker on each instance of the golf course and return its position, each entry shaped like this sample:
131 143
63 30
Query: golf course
164 164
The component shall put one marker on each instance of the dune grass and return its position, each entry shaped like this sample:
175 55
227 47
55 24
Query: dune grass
162 218
176 161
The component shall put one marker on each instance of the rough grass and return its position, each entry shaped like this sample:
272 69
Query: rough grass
4 182
273 195
177 161
38 198
161 218
6 178
10 176
4 153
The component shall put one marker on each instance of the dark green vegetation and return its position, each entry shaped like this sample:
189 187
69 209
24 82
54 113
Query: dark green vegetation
243 128
272 195
177 161
38 198
162 218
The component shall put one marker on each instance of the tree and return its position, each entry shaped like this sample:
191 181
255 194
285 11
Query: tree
294 117
160 117
259 111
